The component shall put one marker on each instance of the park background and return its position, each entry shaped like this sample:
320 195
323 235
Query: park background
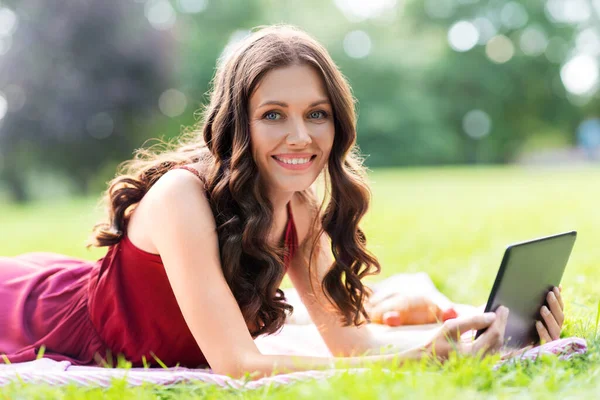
478 120
437 82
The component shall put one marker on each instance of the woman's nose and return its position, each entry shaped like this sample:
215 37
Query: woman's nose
299 135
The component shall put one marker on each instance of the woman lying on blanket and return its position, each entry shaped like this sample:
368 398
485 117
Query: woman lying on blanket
200 236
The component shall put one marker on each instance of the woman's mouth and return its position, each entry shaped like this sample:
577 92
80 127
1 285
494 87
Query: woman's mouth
298 162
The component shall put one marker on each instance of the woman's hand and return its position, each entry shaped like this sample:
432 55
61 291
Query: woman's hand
448 338
553 317
397 309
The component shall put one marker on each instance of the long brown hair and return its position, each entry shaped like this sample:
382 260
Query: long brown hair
252 267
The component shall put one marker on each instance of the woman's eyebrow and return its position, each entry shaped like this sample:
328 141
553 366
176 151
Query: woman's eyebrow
284 105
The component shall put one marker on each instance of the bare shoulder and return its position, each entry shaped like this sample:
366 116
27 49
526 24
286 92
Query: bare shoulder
176 184
177 188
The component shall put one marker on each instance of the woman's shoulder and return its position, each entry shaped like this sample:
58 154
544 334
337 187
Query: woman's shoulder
198 170
177 183
172 186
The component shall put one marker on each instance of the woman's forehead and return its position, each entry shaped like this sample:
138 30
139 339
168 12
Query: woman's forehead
294 85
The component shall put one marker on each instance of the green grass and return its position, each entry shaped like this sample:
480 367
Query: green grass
453 224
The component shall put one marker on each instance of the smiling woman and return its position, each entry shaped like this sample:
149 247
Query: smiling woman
291 136
200 236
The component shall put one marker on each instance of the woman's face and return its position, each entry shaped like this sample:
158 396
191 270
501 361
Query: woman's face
291 127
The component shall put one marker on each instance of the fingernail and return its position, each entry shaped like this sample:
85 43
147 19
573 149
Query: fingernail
556 291
489 317
545 310
538 324
552 296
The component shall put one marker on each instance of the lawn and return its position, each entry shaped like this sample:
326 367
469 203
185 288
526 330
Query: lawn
452 223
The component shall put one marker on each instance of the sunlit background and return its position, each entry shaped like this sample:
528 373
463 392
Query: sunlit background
438 82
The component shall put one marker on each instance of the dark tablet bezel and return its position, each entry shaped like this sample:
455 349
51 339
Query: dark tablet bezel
504 265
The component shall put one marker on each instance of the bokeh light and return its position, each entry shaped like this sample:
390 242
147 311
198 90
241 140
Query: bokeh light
463 36
588 40
533 41
8 22
172 103
513 15
357 44
580 74
477 124
3 106
571 11
192 6
100 126
360 10
500 49
160 14
485 28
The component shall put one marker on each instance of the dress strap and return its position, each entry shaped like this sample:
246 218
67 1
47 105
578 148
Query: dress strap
192 170
291 237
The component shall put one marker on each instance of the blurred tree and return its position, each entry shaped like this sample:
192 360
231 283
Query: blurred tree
506 79
77 78
203 38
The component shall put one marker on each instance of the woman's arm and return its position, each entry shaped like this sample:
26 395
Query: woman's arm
351 340
341 341
183 230
345 341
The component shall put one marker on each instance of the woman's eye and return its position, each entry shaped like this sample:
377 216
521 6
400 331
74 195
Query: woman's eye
272 116
318 114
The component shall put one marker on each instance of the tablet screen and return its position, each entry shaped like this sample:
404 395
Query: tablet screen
528 271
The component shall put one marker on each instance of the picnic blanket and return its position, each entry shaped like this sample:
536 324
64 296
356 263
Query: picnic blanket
298 337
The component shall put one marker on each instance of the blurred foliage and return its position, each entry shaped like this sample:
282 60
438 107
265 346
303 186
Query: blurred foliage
87 76
81 62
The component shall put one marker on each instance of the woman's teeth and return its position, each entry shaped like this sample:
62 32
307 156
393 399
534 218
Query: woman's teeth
293 160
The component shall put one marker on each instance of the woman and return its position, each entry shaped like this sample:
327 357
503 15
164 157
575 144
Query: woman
201 236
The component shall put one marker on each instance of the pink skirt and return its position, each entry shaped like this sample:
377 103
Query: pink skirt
43 302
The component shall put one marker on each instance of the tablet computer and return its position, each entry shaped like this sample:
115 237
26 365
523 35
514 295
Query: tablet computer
528 271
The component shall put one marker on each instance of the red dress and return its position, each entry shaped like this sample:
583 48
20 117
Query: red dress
86 312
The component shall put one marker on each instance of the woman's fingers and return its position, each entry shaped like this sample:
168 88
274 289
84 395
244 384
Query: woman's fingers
493 338
405 310
553 316
392 318
556 308
454 328
551 325
390 303
447 338
542 332
558 295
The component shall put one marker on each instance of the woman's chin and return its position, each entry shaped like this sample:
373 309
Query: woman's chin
293 184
